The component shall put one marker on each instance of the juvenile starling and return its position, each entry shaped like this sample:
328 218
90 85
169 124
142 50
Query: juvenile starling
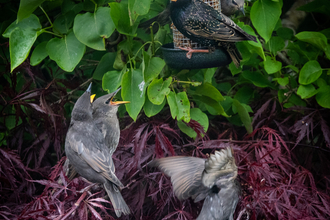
203 24
105 118
88 154
213 179
228 8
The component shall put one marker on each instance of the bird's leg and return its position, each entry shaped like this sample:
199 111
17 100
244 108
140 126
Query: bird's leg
191 51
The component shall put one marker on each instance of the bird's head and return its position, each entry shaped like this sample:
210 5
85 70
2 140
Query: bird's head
82 109
230 7
106 105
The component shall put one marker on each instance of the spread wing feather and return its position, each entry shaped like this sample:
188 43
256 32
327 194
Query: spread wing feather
185 173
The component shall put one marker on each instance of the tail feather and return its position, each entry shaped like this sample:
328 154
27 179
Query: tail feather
234 54
116 199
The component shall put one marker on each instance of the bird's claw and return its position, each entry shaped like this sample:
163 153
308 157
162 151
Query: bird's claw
191 51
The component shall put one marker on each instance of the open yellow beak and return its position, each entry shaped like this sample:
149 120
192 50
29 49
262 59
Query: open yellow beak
92 97
119 102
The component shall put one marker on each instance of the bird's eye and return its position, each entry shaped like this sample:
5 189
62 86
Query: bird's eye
234 2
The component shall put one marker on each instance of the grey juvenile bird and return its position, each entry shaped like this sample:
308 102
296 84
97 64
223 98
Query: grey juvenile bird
105 118
228 8
213 179
88 154
203 24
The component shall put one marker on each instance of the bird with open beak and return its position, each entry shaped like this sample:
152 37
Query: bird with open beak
212 179
105 118
88 154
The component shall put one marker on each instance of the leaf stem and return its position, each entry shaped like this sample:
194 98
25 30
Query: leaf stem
51 24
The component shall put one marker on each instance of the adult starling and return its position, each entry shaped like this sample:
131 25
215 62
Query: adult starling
203 24
213 179
88 154
228 8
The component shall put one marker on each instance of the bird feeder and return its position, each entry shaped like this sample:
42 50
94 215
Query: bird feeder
176 58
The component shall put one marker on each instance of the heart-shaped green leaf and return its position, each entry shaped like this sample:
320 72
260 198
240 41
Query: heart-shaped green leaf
66 52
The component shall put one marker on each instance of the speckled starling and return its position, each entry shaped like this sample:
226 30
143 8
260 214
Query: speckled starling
88 154
203 24
228 8
213 179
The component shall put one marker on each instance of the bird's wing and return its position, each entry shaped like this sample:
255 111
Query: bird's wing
94 153
185 173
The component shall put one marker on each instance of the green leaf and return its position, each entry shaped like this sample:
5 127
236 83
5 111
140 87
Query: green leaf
66 52
244 94
316 38
11 122
27 7
22 36
133 90
257 79
208 74
153 67
275 44
63 23
111 80
105 65
197 115
323 97
179 106
217 109
120 17
158 89
244 115
285 33
310 72
233 69
282 81
151 109
251 45
207 89
92 28
272 66
306 92
294 100
264 16
138 7
39 54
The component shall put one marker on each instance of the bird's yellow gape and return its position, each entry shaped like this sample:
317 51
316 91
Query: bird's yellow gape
92 97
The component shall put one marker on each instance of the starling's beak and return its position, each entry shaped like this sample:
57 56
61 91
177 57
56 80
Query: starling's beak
242 9
173 0
92 98
117 102
89 89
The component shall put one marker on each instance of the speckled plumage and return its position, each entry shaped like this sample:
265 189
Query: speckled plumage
212 179
203 24
228 8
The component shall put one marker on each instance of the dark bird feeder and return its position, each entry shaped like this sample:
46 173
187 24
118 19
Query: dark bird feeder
176 58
